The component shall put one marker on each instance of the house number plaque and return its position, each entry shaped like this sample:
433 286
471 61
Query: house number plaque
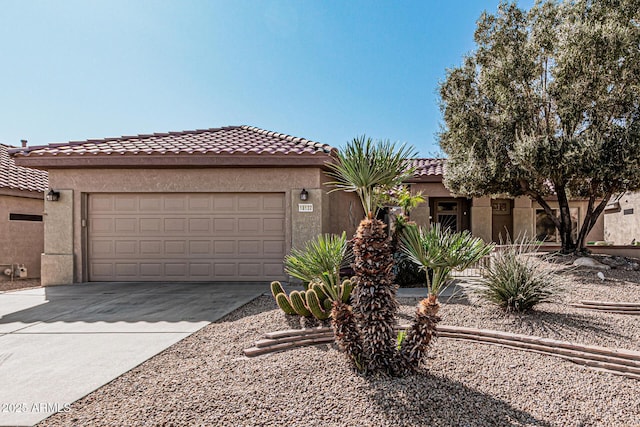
305 207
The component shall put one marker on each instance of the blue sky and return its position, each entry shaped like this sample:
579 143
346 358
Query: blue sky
323 70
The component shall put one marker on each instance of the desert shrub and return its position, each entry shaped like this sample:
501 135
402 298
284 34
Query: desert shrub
518 279
408 274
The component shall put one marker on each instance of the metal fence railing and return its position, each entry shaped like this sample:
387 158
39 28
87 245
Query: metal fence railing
476 270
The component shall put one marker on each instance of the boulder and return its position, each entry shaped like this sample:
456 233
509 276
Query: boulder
590 263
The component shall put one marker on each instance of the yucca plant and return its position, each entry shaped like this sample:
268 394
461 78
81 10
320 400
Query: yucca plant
518 278
366 333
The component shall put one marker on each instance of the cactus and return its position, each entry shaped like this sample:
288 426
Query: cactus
298 302
316 307
345 290
281 298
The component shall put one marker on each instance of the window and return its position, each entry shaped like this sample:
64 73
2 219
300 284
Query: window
25 217
546 230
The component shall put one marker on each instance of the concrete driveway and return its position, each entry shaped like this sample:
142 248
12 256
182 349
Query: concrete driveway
58 344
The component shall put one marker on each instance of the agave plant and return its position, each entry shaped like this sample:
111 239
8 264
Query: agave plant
442 251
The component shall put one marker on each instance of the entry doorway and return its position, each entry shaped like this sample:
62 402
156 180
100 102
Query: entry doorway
450 213
502 220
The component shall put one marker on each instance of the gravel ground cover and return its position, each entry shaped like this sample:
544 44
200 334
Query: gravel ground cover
206 380
14 285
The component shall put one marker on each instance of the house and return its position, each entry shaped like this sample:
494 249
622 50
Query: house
21 225
492 219
622 219
202 205
221 204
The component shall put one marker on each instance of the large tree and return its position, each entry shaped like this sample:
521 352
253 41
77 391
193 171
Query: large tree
548 106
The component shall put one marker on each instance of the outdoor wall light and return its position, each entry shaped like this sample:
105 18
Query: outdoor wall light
53 196
304 195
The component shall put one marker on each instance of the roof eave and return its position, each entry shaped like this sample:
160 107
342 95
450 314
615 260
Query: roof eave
169 161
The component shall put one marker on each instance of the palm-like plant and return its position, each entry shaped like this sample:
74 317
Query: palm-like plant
327 253
442 251
367 333
368 168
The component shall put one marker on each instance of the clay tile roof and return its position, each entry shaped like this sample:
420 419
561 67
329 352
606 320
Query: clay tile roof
230 140
20 178
428 167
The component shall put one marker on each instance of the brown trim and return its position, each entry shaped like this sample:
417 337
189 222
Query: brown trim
22 193
170 161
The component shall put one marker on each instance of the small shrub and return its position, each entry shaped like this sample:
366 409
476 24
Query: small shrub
517 280
408 274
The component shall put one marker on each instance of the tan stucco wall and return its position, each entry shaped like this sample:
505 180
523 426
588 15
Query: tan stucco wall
22 241
289 181
619 228
481 220
345 212
421 215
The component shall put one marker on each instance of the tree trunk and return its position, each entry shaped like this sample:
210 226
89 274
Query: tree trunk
566 237
590 219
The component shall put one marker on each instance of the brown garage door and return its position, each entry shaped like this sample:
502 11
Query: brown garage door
186 237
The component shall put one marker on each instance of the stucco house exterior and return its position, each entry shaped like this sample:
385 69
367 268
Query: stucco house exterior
215 204
21 218
622 219
488 218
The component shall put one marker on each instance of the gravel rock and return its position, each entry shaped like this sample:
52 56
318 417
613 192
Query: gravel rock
14 285
206 380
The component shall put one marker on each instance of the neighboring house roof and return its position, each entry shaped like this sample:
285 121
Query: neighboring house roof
19 178
428 170
224 146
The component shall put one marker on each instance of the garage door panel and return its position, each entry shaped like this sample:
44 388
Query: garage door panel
150 226
125 225
102 248
126 204
151 247
186 237
273 203
149 203
126 247
273 226
200 225
151 270
248 225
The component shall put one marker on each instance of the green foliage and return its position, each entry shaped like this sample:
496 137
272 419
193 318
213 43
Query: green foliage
369 169
549 103
324 254
281 298
401 337
316 307
315 301
408 274
517 280
442 251
299 303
